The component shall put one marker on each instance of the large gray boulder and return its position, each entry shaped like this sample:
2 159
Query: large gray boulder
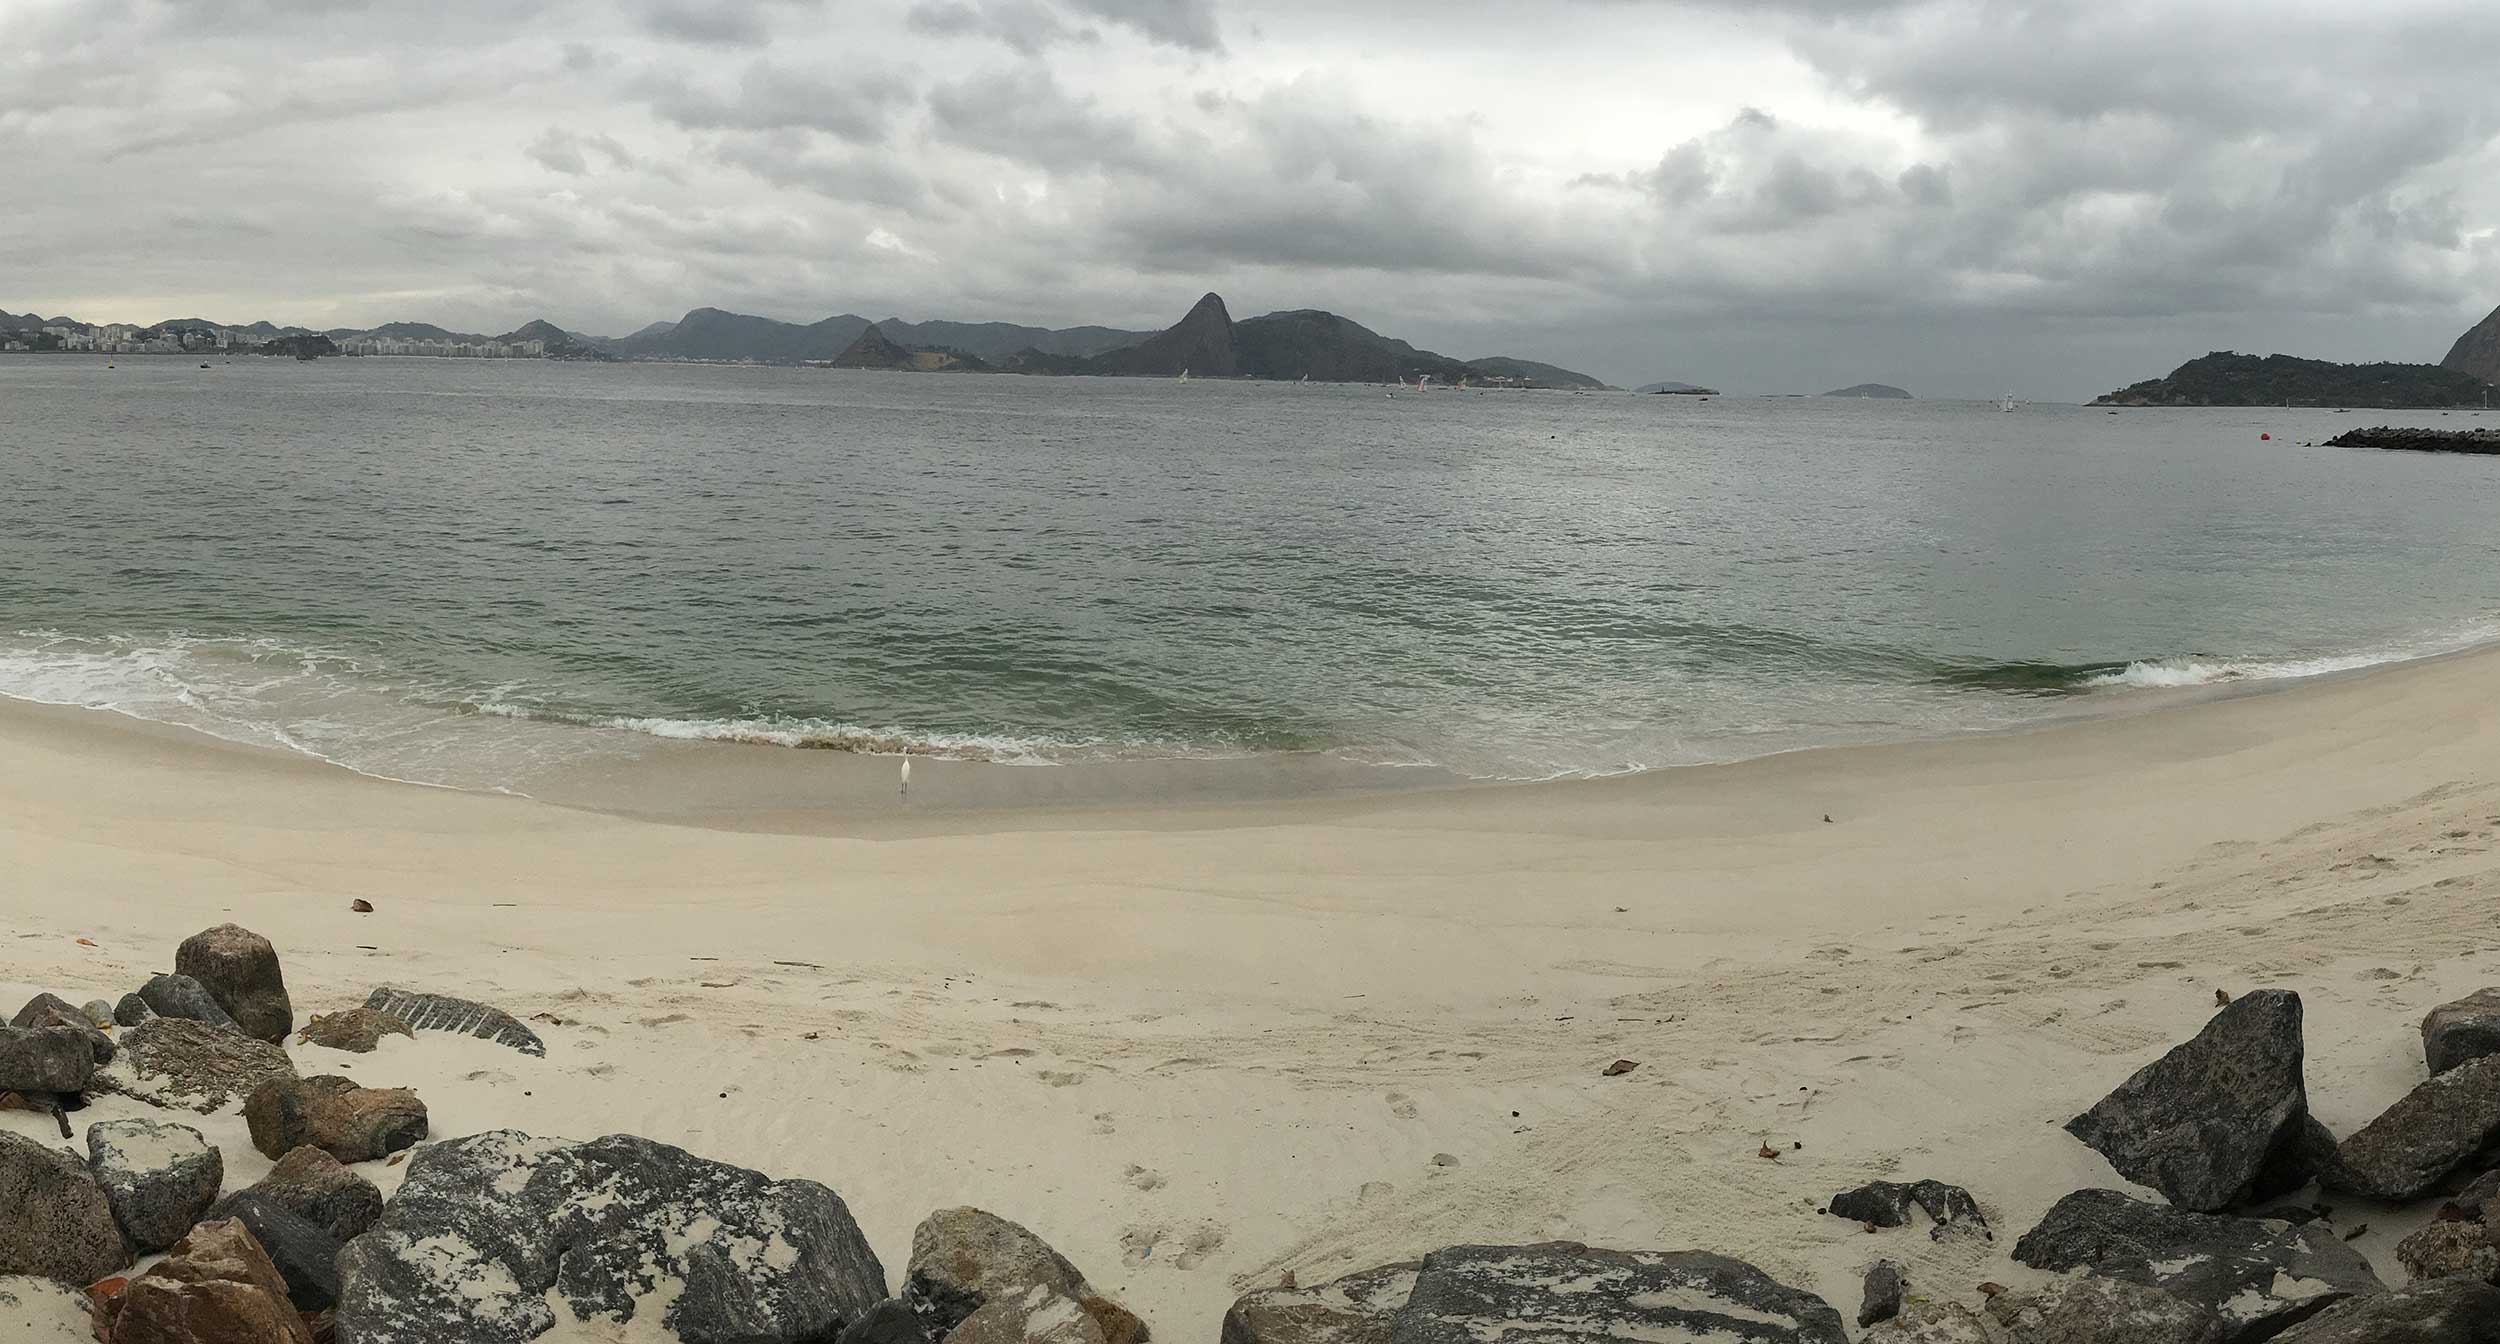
2089 1309
2469 1028
159 1178
171 996
240 970
494 1235
2439 1128
966 1259
2444 1311
45 1059
55 1222
2450 1249
173 1061
2257 1275
1563 1290
314 1186
1355 1309
335 1114
2220 1121
442 1012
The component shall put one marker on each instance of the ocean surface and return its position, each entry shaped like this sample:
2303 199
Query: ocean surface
481 573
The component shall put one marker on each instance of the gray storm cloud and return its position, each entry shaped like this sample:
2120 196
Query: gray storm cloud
1946 194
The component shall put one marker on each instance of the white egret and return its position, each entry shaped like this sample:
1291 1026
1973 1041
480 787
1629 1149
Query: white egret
907 774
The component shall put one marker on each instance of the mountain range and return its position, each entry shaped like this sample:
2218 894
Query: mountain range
1303 343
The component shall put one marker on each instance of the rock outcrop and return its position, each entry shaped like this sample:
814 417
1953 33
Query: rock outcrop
2469 1028
171 996
159 1178
1468 1294
965 1261
2448 1311
2257 1275
51 1010
55 1221
493 1235
2221 1120
176 1061
217 1287
1879 1296
871 350
335 1114
2477 353
1200 343
1355 1309
240 970
2438 1128
2086 1309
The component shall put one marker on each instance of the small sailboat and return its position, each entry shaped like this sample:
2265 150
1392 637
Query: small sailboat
1183 378
2007 402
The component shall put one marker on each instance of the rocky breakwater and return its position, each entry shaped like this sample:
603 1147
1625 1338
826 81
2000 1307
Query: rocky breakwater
2420 440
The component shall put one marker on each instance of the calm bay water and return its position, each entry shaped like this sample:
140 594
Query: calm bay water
468 572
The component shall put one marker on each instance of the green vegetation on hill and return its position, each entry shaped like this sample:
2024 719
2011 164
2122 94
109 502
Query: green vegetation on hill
2477 352
2227 378
1882 390
1529 372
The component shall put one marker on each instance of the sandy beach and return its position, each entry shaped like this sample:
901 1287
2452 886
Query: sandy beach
1197 1046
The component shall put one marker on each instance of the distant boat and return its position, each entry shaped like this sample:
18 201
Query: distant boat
1183 378
2007 402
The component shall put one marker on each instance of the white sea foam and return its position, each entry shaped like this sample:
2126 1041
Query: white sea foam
2202 670
824 735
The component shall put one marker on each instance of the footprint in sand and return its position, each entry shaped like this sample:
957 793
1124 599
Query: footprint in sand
1060 1077
1143 1179
1103 1123
1401 1106
1144 1244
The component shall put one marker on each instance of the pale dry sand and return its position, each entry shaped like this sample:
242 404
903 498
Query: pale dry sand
1195 1047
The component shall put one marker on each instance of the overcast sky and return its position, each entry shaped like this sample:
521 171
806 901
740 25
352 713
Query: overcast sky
1958 197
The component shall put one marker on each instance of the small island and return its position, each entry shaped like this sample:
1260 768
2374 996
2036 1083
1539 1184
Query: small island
1674 389
2227 378
1885 391
2484 442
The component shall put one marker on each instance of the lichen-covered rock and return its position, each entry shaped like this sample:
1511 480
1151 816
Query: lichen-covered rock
963 1258
1888 1204
312 1185
2219 1121
2087 1309
442 1012
175 1061
240 970
217 1287
2441 1311
2436 1130
2451 1250
493 1236
355 1030
1557 1290
1355 1309
335 1114
159 1178
45 1059
1934 1323
55 1222
305 1256
2467 1029
2257 1275
176 996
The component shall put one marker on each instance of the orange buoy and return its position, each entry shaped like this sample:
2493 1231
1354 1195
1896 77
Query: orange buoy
2263 437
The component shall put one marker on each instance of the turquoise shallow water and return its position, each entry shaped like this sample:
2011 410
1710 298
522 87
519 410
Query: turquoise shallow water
462 571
